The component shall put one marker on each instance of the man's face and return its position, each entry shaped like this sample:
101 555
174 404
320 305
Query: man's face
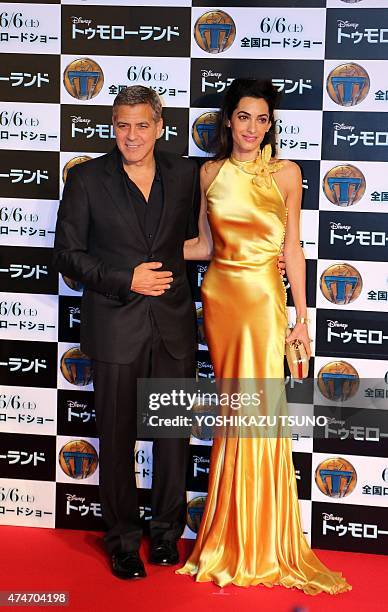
136 131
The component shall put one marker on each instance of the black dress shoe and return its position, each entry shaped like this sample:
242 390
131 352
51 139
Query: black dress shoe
164 552
128 565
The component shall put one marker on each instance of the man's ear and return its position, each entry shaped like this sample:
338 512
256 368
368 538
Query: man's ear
159 128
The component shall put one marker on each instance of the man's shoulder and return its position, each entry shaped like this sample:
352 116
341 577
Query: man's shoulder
176 161
91 166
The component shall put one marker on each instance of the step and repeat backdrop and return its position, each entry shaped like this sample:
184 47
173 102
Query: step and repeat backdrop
62 64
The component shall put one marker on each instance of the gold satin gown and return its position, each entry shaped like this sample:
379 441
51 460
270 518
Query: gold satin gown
251 532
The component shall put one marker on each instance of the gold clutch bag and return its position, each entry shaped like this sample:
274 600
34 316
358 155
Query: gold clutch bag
297 359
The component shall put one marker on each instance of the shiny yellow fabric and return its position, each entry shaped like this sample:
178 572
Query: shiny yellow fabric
250 532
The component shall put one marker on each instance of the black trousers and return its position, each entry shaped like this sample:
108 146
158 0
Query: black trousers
115 405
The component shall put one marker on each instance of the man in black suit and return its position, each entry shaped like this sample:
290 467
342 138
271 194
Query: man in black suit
121 227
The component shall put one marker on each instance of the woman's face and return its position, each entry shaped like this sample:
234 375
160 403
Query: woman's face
249 124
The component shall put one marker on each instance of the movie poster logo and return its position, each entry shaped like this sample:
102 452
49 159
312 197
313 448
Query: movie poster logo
344 185
78 459
348 84
352 236
83 79
349 333
203 131
90 129
27 457
78 507
112 30
27 504
29 78
354 528
338 381
28 364
257 33
214 31
299 83
357 35
86 128
362 187
363 479
358 431
76 414
27 270
335 477
76 367
29 174
97 79
340 284
34 29
355 136
357 85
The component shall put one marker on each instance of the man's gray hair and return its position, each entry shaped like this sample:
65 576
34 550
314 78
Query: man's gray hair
138 94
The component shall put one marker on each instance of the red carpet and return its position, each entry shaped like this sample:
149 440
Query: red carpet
41 559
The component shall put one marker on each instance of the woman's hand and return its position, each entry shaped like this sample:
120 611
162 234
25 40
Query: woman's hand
300 332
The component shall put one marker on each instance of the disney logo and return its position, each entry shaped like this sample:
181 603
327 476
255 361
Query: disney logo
75 404
202 268
198 459
346 24
75 119
341 126
334 421
210 73
71 497
330 517
204 364
334 225
81 20
74 310
331 323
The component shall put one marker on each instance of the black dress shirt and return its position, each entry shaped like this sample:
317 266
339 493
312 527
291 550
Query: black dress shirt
148 213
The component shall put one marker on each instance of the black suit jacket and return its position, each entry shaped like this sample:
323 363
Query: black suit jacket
99 242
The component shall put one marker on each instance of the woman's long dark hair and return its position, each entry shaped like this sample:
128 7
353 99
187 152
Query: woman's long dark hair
222 143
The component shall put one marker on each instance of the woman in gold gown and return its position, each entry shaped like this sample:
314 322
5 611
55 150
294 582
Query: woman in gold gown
251 531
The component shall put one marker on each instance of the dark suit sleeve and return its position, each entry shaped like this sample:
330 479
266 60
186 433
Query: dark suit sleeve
192 223
71 248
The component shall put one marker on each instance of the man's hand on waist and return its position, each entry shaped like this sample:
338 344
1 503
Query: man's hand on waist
147 281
